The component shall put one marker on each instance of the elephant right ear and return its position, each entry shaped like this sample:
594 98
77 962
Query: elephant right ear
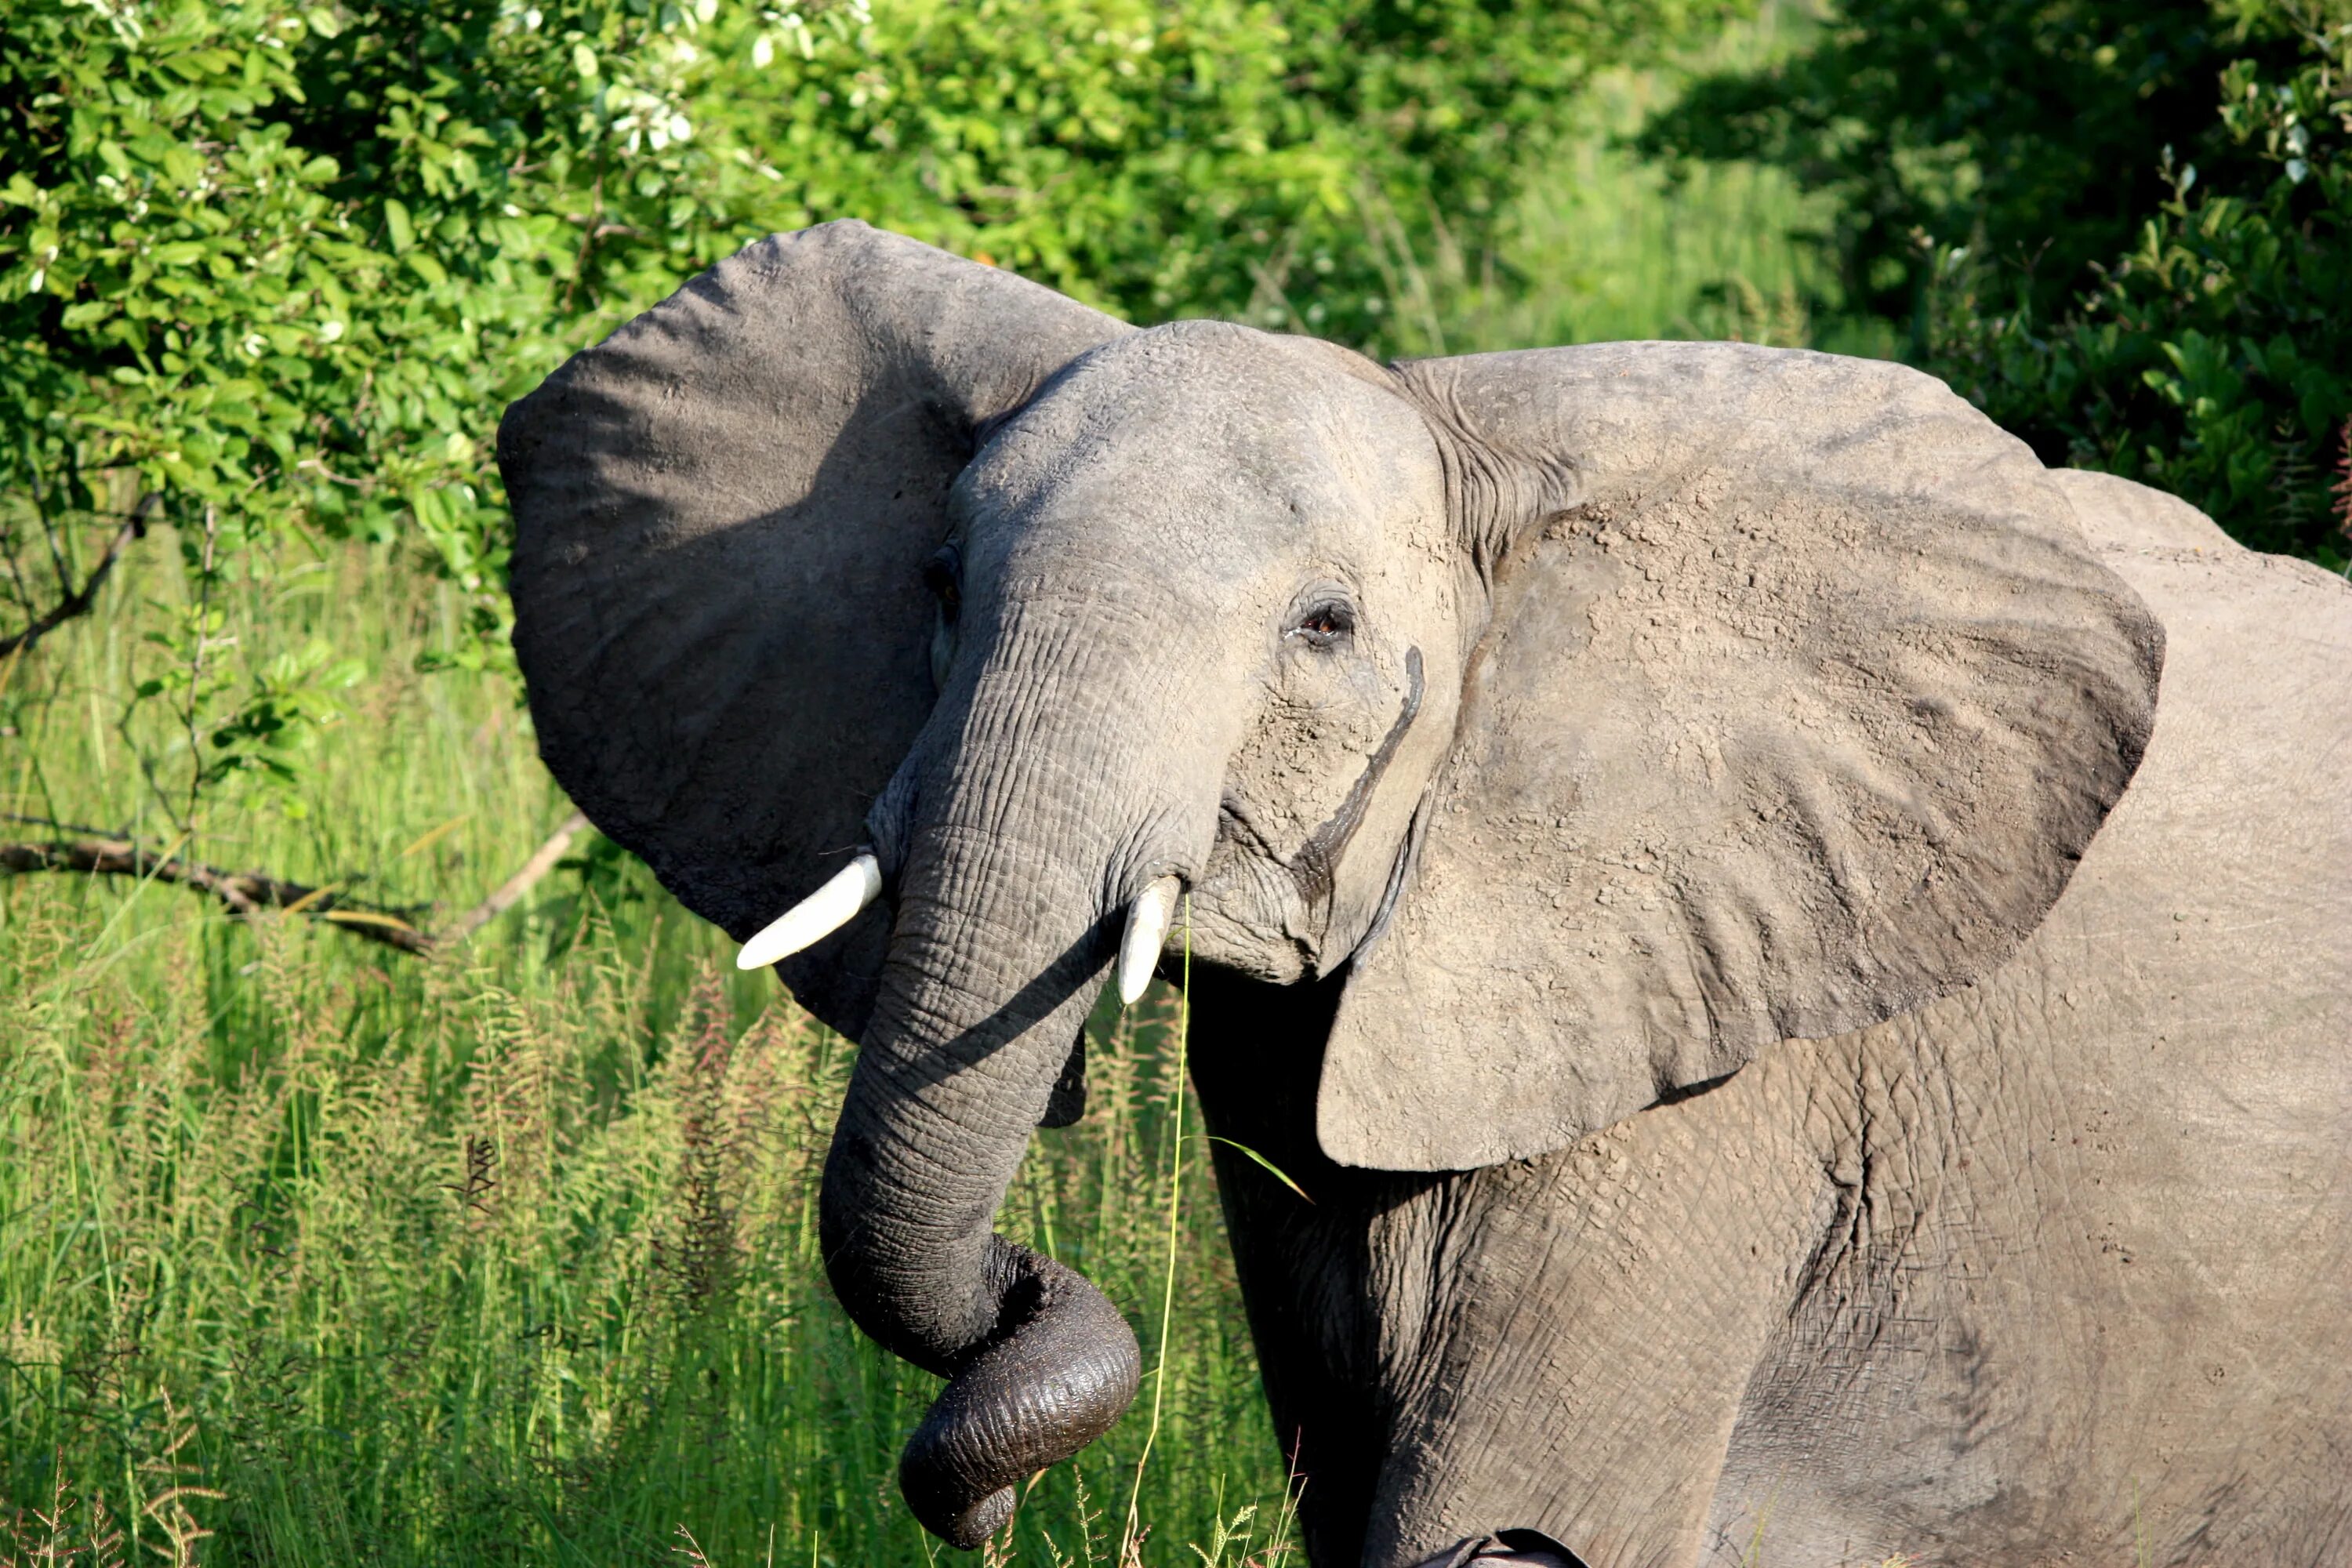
1802 695
721 517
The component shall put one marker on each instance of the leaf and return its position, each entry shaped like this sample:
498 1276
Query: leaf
433 837
396 224
366 918
1271 1167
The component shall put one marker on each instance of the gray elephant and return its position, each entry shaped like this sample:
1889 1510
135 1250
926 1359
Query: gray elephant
1804 959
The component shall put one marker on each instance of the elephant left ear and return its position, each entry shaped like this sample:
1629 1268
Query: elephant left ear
1802 695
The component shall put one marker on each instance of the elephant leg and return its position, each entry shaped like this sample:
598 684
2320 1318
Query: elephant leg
1575 1352
1303 1262
1562 1344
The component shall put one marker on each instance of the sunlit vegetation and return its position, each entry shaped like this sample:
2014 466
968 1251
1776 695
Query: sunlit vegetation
372 1220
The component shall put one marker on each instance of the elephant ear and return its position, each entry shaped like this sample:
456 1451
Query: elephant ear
721 517
1802 695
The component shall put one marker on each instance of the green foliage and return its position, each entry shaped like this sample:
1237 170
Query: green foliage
273 270
2025 130
2134 270
200 324
1607 245
2213 359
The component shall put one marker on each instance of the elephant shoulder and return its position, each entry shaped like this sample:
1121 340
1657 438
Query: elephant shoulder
2253 724
2255 643
2168 550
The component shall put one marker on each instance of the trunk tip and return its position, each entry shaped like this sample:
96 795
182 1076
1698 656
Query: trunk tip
969 1529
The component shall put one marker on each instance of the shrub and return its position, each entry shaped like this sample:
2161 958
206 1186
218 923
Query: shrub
2214 357
2067 221
270 271
2023 129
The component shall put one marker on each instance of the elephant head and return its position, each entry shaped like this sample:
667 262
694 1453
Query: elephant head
1601 715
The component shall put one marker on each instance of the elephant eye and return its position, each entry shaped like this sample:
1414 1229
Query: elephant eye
1323 625
943 575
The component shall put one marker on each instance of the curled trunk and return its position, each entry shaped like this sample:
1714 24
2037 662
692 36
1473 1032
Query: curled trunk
1061 1368
999 946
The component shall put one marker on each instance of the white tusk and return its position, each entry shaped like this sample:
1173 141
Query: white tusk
1147 928
818 916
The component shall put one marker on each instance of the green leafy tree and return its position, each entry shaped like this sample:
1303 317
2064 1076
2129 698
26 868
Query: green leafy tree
2119 225
2213 357
2025 130
268 272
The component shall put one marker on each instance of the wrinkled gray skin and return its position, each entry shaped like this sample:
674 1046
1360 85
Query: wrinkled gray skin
1803 960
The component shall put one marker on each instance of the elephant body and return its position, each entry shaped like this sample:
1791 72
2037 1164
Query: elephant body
2057 1268
1804 961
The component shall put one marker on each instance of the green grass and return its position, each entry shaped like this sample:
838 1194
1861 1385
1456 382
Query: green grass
1607 246
313 1252
505 1257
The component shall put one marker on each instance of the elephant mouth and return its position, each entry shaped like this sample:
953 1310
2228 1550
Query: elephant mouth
1061 1368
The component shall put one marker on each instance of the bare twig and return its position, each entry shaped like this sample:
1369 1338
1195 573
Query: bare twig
196 666
15 570
79 602
83 828
2342 488
248 893
588 228
511 891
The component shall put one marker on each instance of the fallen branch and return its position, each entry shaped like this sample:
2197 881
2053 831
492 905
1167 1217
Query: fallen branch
79 601
248 893
511 891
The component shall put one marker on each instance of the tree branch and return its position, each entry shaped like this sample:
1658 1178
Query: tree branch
79 601
511 891
248 893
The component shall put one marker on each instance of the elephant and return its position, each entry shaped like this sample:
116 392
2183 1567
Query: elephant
1803 957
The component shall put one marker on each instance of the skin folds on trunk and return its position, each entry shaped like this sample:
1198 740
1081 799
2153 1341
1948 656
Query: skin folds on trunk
955 1074
1064 1367
1002 939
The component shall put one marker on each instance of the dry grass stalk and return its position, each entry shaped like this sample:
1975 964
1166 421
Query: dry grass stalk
2342 488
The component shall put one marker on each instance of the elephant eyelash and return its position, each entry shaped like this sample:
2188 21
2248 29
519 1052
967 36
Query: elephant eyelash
1324 626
